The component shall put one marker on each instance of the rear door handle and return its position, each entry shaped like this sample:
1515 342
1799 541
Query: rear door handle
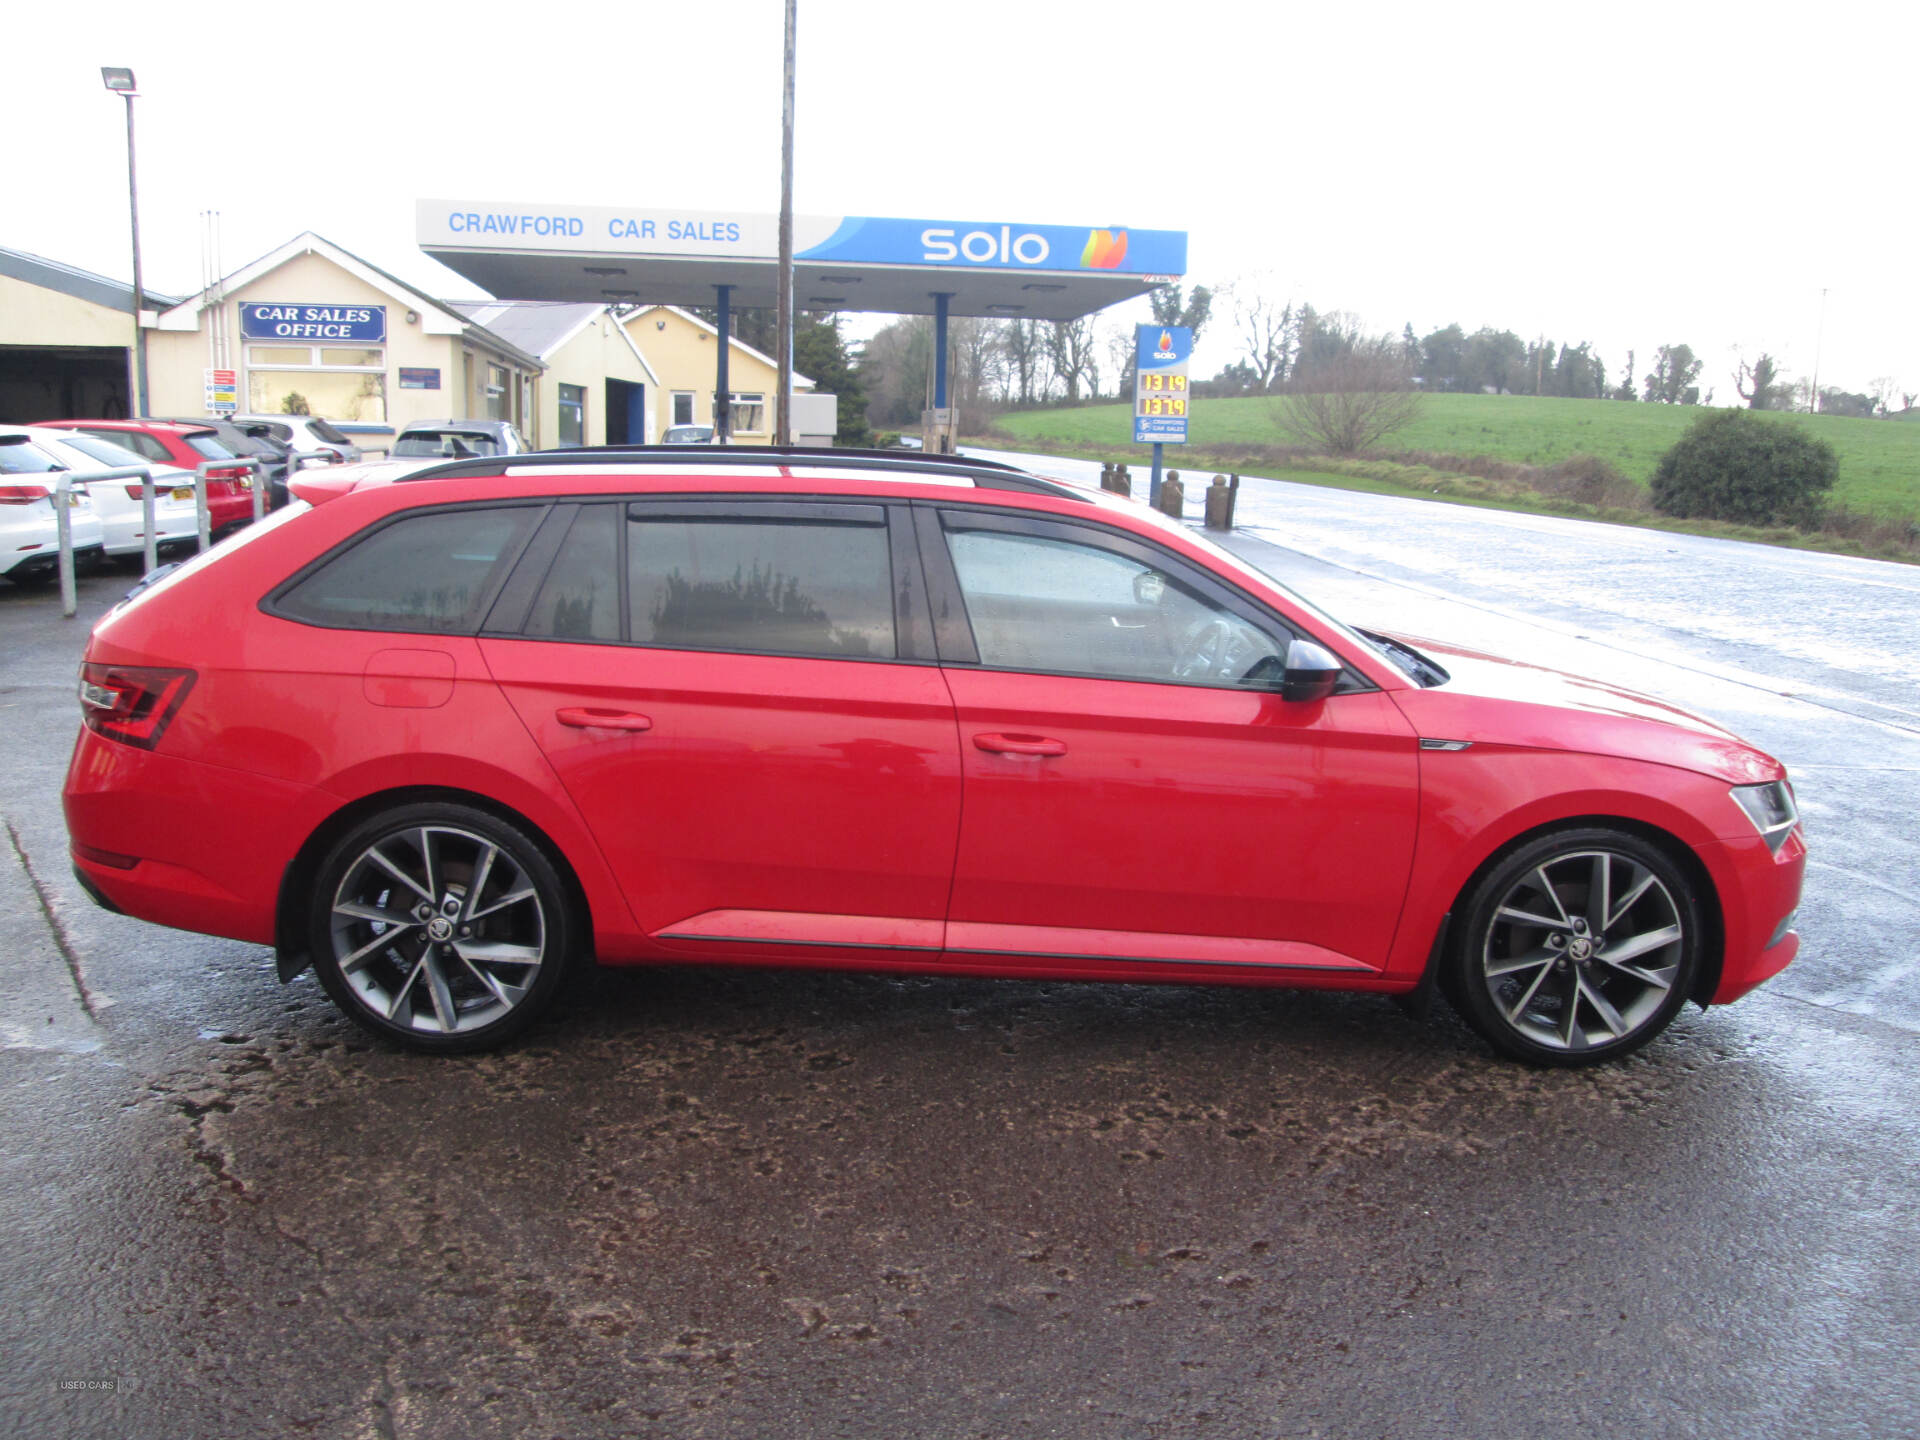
585 717
1000 744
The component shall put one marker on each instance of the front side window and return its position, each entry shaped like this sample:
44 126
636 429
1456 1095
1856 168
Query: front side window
426 573
773 586
1072 608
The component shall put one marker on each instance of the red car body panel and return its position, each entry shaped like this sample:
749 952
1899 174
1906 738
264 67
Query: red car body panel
764 784
229 493
843 813
1290 822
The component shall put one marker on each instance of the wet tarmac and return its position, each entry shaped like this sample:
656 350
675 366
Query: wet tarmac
766 1204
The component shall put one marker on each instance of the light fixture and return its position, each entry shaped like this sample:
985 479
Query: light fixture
119 79
1007 309
606 269
826 302
413 317
837 279
621 294
659 324
1044 289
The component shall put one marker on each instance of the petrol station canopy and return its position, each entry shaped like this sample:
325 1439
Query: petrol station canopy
848 262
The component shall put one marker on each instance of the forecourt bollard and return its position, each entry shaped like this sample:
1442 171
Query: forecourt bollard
1219 505
1173 496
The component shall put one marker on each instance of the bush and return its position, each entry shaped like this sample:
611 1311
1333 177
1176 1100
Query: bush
1591 481
1735 465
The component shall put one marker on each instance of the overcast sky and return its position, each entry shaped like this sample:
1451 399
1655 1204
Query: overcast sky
1626 174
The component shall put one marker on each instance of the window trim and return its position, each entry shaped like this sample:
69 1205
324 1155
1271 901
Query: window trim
270 603
956 640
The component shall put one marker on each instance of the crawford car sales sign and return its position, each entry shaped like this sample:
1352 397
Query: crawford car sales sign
287 320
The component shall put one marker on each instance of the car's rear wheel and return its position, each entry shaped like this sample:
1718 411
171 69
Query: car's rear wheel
440 927
1578 947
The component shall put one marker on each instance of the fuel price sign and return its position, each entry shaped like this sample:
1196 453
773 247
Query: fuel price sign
1160 394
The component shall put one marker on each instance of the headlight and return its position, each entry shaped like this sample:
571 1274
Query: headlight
1771 809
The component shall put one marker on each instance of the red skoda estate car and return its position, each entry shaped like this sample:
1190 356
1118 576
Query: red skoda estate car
446 735
182 443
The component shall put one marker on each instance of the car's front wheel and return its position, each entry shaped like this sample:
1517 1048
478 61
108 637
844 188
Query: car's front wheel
440 927
1578 947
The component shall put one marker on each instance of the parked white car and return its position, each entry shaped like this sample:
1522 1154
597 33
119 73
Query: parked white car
304 434
29 531
176 526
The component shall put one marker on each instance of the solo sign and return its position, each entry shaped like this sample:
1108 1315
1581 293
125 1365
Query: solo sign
335 324
1160 396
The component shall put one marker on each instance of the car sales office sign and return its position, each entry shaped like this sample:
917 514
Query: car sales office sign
328 324
1160 396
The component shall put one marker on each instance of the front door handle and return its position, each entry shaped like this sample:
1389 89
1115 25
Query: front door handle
999 744
585 717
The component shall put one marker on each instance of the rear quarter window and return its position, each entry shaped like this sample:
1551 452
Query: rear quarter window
425 574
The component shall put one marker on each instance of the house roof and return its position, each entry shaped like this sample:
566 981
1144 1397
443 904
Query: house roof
184 314
539 327
81 284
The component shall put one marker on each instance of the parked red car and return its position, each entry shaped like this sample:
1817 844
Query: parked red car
177 442
445 736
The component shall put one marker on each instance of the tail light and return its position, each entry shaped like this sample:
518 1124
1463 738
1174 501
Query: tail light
22 494
227 474
131 703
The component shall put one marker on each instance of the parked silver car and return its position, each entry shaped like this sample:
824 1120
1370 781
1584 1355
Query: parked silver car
458 439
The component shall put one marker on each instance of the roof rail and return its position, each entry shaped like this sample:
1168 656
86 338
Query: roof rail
986 474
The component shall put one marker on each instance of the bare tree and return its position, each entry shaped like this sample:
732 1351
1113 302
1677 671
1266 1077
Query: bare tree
1024 347
1883 389
1071 345
1353 400
1267 330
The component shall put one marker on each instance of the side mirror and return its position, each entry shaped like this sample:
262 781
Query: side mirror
1311 672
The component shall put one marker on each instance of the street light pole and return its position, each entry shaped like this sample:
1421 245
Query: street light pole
783 319
120 80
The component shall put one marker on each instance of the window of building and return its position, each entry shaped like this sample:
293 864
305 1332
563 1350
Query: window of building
346 384
748 414
683 408
573 414
427 573
773 586
499 406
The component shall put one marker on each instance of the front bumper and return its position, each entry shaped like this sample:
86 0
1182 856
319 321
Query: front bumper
1759 892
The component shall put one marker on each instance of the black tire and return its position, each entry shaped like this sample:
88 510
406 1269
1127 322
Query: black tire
466 966
1578 947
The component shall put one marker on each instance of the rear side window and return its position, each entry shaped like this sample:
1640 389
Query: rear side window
772 586
581 597
20 457
209 447
318 427
148 447
428 573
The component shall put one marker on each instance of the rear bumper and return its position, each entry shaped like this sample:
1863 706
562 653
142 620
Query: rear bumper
1759 892
195 846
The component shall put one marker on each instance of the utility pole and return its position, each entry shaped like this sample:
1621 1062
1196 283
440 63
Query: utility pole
1819 335
783 413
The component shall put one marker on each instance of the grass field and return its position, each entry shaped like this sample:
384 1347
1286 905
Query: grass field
1879 459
